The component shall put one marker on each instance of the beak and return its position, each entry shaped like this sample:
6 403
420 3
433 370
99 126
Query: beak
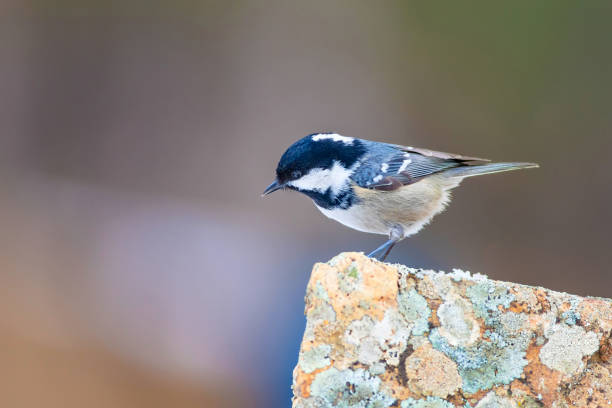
272 188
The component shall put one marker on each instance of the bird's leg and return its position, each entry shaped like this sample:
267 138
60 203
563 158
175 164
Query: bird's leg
395 235
387 245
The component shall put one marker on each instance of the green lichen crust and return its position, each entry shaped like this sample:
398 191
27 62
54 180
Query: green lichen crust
429 402
349 389
380 335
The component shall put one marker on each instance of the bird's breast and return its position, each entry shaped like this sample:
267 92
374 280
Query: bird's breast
377 212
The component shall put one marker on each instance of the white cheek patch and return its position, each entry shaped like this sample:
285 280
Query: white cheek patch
321 180
335 137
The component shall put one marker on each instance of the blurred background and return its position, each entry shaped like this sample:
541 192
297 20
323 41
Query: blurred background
139 266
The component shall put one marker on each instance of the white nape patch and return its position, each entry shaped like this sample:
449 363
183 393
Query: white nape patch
320 179
384 167
377 178
335 137
404 165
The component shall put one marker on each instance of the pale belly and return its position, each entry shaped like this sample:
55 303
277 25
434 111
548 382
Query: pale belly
410 207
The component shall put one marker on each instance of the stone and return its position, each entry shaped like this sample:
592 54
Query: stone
381 335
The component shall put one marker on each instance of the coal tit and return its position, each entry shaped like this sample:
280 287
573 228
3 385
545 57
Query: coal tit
376 187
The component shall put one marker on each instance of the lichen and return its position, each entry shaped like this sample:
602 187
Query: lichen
320 292
358 329
456 324
377 368
349 389
337 259
486 363
315 358
349 279
566 347
364 304
486 297
428 339
414 308
496 359
429 402
312 402
572 316
321 313
499 358
392 329
430 372
375 340
353 271
458 275
491 400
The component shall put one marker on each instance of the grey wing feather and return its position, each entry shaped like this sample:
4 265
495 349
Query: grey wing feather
407 165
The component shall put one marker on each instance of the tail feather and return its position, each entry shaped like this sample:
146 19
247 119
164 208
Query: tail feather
468 171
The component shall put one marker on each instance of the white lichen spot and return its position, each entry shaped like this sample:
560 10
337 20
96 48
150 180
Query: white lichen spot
392 329
457 325
335 137
491 400
566 347
369 351
315 358
377 368
392 334
316 316
415 310
429 402
358 329
348 388
458 275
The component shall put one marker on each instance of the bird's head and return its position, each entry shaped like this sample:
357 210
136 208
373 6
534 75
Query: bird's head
320 163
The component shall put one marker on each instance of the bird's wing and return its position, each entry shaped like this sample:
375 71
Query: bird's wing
407 165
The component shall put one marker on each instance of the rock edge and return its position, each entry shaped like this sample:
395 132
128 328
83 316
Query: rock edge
381 335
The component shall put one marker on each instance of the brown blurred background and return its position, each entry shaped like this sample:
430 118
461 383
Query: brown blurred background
139 265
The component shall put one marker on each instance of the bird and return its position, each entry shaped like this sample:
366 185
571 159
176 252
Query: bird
377 187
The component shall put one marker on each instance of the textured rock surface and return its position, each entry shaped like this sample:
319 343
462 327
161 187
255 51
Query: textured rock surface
380 335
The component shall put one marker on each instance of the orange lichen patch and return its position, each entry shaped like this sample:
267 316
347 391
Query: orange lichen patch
477 396
519 307
521 391
564 307
393 383
543 302
431 373
541 379
483 328
371 280
332 335
302 381
597 313
605 349
456 399
434 304
594 389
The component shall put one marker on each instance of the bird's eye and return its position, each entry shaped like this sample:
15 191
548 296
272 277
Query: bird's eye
296 174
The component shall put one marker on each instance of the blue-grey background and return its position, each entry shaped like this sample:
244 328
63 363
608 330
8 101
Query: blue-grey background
139 265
